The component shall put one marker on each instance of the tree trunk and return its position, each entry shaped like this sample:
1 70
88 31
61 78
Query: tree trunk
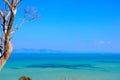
7 44
8 49
8 18
7 52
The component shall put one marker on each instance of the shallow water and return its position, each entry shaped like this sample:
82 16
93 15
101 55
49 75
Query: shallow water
62 66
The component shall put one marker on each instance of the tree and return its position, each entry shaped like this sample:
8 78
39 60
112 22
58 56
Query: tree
7 18
25 78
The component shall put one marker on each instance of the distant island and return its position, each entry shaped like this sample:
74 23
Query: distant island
52 51
36 51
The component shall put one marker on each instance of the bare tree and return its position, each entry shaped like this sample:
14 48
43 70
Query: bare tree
7 18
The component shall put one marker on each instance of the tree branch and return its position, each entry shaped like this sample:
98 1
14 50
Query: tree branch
8 14
13 2
1 13
9 5
17 2
18 26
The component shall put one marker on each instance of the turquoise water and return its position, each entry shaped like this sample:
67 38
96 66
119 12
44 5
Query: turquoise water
62 66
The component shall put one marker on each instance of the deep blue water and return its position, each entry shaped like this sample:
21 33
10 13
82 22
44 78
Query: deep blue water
65 56
73 61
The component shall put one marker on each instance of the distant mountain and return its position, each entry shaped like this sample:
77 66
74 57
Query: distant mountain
36 51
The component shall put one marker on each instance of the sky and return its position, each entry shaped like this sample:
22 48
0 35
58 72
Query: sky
70 25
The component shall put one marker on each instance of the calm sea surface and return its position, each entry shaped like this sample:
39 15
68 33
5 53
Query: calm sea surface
62 66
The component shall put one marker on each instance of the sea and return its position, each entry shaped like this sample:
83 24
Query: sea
62 66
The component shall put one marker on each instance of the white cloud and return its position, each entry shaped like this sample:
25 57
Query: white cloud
102 42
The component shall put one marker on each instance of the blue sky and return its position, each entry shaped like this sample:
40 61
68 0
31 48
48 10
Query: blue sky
71 25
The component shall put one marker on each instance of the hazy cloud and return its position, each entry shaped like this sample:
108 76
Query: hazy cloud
102 42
